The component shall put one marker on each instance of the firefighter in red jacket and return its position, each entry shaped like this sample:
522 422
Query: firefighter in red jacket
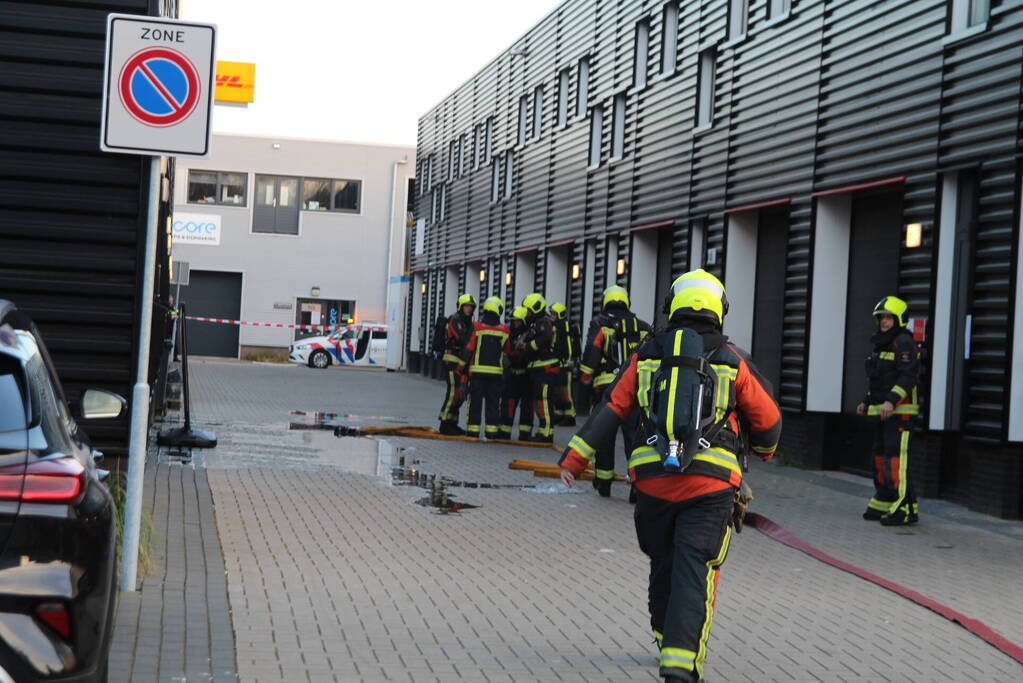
486 355
459 329
682 519
614 334
568 351
544 366
893 370
517 392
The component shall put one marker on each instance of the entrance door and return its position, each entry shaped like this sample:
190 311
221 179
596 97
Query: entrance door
276 206
769 301
213 294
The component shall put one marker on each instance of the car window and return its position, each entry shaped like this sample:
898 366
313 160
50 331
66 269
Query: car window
53 416
380 335
14 414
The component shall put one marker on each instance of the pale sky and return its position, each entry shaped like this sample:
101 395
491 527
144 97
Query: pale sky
356 71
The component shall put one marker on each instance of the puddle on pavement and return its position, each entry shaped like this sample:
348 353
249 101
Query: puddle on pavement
443 502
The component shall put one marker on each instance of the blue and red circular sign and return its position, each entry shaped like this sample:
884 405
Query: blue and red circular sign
159 86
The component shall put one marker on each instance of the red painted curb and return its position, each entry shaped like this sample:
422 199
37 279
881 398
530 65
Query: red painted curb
779 533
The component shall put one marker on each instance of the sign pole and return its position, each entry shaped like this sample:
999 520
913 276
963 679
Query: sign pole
137 445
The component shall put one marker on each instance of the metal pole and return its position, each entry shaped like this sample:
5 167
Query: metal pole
140 394
184 370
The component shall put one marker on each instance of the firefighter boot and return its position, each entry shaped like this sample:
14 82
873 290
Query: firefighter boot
450 428
904 515
682 677
603 487
872 515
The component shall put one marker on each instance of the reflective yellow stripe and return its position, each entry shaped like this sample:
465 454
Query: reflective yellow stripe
674 383
491 429
903 467
901 409
726 375
886 355
603 378
712 565
879 505
543 363
719 457
900 391
584 449
764 449
659 637
586 369
604 474
452 358
643 456
676 657
645 373
486 370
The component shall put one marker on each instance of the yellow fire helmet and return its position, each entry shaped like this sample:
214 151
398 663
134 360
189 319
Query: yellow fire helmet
699 291
534 303
466 300
520 313
893 306
559 310
494 305
615 293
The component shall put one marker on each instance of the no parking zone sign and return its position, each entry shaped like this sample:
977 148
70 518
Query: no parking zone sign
158 86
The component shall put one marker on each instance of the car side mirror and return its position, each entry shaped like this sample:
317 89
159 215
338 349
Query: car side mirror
100 404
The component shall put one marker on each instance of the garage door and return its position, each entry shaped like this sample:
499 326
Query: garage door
213 294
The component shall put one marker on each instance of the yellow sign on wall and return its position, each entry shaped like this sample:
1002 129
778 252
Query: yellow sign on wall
236 82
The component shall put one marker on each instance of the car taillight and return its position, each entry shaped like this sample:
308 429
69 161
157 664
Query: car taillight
54 615
59 480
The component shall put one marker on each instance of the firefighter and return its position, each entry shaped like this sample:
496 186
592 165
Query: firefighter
568 352
486 355
893 369
539 343
517 392
614 334
684 518
458 330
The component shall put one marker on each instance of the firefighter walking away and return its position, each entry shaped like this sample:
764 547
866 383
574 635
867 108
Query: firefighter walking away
538 344
456 338
568 352
693 389
892 403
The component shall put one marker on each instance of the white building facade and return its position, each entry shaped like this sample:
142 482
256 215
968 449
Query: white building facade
291 232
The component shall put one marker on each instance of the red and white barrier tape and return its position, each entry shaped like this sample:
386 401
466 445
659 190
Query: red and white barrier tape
311 328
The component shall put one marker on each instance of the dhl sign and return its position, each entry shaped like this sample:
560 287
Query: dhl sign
236 82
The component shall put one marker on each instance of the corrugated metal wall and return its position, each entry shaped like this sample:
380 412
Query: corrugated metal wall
71 217
840 92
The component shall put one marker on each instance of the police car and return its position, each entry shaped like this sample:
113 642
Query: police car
356 344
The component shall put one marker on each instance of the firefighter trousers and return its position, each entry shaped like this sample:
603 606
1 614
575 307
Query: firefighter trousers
687 543
518 395
564 402
604 460
484 401
893 485
454 396
543 381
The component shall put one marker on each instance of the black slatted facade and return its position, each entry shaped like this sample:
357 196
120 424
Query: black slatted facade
878 100
72 219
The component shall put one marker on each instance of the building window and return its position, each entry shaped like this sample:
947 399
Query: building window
669 38
582 89
640 59
495 180
523 107
618 128
777 9
429 174
451 159
969 13
488 146
443 192
596 132
563 77
315 194
705 88
738 17
509 174
323 194
538 112
276 207
460 166
216 187
347 195
434 205
477 145
410 196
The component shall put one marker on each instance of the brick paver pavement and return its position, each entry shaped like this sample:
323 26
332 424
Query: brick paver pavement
337 575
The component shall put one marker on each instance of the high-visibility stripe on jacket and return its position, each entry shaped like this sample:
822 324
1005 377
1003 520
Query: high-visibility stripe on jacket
487 348
893 373
738 386
459 329
608 346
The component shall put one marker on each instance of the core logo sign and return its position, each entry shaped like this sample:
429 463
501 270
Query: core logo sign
159 87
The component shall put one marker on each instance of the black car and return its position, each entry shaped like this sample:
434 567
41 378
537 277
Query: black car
57 535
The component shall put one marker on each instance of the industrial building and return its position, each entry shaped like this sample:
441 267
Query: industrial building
815 154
